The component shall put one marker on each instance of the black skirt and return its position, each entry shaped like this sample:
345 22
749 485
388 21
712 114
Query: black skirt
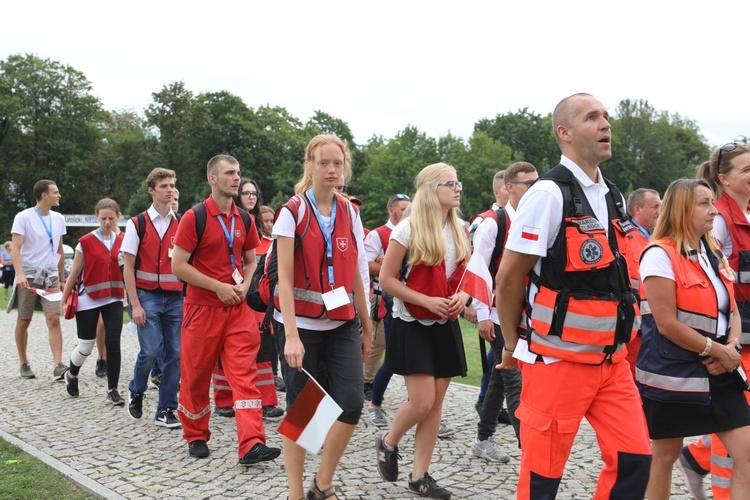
728 410
436 350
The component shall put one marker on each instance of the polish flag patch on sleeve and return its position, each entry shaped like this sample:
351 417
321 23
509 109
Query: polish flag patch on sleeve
530 233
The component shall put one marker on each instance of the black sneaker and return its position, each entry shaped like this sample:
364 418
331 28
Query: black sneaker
278 382
272 412
368 391
101 368
198 449
227 411
426 486
166 418
387 460
135 405
259 453
114 397
71 385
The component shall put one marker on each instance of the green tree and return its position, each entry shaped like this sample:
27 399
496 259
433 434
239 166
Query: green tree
49 124
485 158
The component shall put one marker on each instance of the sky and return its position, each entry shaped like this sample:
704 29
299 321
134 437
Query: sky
380 66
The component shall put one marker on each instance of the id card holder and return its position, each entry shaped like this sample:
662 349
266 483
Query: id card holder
335 298
237 277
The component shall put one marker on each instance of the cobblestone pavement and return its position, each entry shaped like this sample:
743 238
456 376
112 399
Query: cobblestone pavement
100 445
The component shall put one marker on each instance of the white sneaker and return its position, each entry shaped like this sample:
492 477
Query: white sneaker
490 450
444 431
378 416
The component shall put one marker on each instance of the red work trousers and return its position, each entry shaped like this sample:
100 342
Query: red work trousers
633 347
554 399
223 392
208 333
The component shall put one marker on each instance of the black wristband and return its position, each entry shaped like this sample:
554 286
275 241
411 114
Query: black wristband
468 302
508 350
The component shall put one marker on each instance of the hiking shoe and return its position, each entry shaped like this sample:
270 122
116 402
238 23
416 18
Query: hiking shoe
444 431
71 385
227 411
59 372
378 416
259 453
198 449
426 486
272 412
368 391
135 405
101 368
490 450
503 417
155 381
279 383
693 478
387 459
114 397
26 371
166 418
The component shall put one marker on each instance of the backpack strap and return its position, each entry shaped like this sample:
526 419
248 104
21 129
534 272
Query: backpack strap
502 234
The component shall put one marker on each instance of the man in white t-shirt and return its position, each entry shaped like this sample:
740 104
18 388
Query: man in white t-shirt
37 254
572 367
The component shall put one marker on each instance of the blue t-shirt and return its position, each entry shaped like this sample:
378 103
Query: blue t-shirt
8 266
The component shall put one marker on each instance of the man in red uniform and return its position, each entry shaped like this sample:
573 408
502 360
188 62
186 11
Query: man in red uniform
217 322
571 367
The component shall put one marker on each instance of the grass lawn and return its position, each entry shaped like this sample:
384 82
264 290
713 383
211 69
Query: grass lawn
23 476
473 360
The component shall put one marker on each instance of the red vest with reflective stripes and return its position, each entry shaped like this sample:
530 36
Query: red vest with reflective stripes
154 269
310 269
739 231
584 311
432 281
664 370
102 277
384 233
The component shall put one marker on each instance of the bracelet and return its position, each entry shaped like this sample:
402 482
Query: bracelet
468 302
509 350
707 350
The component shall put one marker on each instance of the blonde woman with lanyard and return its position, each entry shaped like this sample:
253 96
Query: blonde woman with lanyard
101 293
424 341
320 285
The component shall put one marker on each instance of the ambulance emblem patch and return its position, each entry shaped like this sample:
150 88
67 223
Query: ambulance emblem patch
591 252
342 244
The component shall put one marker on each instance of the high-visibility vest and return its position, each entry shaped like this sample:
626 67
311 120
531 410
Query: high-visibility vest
584 310
102 276
153 268
432 281
632 242
310 266
665 371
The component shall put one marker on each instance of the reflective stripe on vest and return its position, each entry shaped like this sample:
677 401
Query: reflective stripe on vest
157 278
698 321
745 338
309 295
635 284
105 285
672 384
645 308
553 345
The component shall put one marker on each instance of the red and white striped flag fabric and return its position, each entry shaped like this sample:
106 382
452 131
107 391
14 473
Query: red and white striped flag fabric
311 416
477 280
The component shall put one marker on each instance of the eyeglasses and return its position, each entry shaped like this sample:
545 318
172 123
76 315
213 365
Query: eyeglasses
250 194
726 148
525 183
398 197
452 185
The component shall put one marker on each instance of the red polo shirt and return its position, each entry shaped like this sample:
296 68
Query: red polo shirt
212 255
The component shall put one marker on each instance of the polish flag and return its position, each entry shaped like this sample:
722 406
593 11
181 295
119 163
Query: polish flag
311 416
530 233
477 280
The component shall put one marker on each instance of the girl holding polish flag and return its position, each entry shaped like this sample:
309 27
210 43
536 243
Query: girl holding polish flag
424 342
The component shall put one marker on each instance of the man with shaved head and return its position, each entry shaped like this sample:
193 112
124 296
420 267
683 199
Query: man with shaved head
581 313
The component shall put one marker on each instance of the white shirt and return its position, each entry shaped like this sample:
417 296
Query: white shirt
36 251
374 249
402 234
285 225
656 262
484 244
539 216
131 241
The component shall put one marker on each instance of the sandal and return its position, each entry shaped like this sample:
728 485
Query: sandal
315 493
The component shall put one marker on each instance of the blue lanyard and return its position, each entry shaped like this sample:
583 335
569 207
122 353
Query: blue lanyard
48 229
111 240
229 235
327 232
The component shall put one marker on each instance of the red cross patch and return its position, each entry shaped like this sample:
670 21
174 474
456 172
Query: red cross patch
342 244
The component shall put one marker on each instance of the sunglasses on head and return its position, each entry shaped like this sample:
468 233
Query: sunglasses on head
398 197
726 148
